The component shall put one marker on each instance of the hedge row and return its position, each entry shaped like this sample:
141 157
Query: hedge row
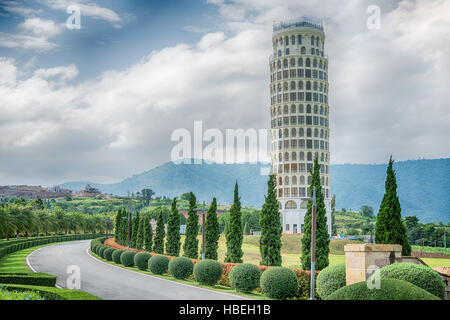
16 245
35 279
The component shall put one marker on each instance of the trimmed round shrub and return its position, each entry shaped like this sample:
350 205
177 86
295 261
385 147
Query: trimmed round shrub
331 279
127 258
181 267
101 249
279 283
207 272
141 260
390 289
158 264
116 255
107 254
419 275
96 247
245 277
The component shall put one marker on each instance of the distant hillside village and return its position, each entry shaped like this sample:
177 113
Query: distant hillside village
56 193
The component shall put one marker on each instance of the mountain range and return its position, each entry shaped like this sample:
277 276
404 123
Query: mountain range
423 185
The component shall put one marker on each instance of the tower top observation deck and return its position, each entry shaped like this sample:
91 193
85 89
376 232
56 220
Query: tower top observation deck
302 22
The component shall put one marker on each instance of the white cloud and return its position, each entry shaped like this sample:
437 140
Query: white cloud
88 9
7 71
34 33
17 8
61 73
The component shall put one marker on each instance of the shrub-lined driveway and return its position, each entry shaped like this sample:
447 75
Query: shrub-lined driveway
110 282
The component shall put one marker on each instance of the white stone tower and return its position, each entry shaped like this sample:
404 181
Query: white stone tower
299 113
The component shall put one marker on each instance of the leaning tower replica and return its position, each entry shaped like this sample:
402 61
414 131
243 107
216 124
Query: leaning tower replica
299 113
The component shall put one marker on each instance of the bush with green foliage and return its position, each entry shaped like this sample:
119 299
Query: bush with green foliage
116 255
36 279
101 249
390 289
279 283
107 254
245 277
158 264
207 272
331 279
419 275
141 260
127 258
181 267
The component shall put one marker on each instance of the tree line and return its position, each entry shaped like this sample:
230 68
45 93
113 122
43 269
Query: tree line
30 218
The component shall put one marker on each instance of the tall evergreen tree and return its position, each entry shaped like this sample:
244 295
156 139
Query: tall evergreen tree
134 230
270 240
173 242
190 246
212 232
234 234
389 228
322 236
158 242
117 226
148 234
140 234
123 228
333 212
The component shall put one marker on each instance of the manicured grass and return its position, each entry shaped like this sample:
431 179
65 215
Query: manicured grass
253 295
16 261
430 249
436 262
64 294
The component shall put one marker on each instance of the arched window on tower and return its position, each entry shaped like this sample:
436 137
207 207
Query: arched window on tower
300 85
279 53
294 180
308 107
286 108
303 50
312 40
292 62
309 158
309 133
299 38
286 181
293 133
294 156
302 156
301 132
286 156
302 180
285 63
308 62
293 85
293 109
286 133
291 205
300 62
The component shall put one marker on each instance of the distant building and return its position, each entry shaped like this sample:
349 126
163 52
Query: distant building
90 192
33 192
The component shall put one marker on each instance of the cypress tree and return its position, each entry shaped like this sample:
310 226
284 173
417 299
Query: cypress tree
148 234
158 243
389 228
173 242
190 246
134 230
234 234
212 232
124 228
118 222
140 234
270 240
322 236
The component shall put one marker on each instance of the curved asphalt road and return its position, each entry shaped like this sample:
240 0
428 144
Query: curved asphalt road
110 282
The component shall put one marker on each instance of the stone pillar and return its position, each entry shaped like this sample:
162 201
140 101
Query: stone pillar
359 257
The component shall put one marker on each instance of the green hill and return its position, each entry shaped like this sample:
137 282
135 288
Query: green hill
423 185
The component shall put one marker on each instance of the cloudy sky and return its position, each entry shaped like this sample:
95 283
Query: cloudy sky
100 103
